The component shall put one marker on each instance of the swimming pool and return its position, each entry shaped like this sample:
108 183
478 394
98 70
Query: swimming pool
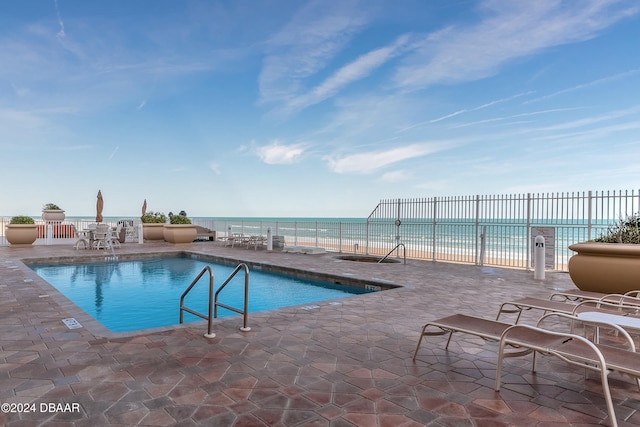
145 293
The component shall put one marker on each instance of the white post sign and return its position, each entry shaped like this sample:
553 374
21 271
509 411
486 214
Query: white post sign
549 234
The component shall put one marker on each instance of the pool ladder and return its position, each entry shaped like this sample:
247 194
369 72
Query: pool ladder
404 253
213 299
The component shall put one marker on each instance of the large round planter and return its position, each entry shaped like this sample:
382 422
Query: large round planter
21 234
611 268
180 233
153 231
53 215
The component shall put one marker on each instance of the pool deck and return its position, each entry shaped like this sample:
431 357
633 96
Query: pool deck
346 363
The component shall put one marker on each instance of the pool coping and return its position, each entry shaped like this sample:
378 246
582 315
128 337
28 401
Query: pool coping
94 327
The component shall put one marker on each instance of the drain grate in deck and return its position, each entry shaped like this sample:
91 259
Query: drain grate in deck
71 323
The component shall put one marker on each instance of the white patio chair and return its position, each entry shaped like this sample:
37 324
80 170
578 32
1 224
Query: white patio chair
101 237
82 238
113 238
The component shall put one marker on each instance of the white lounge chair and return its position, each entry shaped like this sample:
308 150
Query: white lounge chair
612 304
524 339
575 350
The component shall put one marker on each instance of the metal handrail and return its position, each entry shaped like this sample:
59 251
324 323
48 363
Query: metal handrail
404 252
244 312
209 318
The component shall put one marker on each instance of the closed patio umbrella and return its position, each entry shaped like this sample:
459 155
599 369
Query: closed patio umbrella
99 206
144 207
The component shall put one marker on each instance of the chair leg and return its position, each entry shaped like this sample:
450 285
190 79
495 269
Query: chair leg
415 353
499 366
604 375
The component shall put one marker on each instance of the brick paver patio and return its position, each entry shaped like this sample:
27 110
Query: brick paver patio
346 364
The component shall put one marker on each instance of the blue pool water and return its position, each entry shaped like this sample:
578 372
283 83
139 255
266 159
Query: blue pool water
138 294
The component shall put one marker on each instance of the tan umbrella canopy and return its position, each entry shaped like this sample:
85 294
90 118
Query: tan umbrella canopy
144 207
99 206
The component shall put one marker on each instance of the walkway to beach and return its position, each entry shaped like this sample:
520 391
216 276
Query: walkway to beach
346 364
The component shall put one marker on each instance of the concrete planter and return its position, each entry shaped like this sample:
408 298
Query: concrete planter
153 231
180 233
605 267
21 234
53 215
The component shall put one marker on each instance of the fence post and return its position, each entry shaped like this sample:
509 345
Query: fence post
589 213
528 233
49 236
366 237
477 225
435 228
483 244
398 222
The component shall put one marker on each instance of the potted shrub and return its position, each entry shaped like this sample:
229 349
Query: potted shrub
179 229
153 225
52 212
610 263
21 230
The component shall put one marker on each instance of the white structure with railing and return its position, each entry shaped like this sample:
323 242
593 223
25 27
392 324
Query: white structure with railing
493 230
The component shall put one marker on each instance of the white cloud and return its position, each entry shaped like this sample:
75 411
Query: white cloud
61 33
215 167
363 163
593 83
113 153
356 70
305 46
437 186
395 176
588 121
279 154
511 30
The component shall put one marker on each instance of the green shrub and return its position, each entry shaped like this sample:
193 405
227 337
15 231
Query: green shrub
153 218
625 231
22 219
179 219
51 207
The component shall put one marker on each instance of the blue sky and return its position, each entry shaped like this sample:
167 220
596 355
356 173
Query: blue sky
312 108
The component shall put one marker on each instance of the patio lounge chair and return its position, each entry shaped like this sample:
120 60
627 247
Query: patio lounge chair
256 241
236 239
612 304
578 295
203 233
530 303
490 330
575 350
575 295
525 339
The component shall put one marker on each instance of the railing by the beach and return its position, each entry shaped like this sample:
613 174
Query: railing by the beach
489 230
61 232
496 230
